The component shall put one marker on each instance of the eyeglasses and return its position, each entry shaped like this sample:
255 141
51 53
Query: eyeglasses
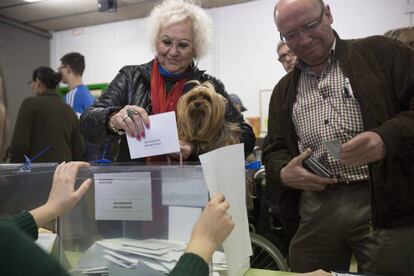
307 28
182 46
282 57
61 67
30 83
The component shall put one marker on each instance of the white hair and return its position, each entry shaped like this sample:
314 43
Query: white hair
169 12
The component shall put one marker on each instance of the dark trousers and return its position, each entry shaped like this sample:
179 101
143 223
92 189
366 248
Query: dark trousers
334 224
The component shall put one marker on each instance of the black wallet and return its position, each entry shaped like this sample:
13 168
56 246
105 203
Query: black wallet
314 166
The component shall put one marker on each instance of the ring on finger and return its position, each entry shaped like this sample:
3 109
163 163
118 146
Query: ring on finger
131 112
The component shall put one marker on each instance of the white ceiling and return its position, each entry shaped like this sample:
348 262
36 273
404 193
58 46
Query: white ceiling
57 15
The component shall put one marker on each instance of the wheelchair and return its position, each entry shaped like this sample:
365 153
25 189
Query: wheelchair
269 242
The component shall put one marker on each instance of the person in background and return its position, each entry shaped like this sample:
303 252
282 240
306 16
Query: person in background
79 97
235 99
180 33
355 97
46 129
286 57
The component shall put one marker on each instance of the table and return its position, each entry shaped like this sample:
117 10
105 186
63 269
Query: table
261 272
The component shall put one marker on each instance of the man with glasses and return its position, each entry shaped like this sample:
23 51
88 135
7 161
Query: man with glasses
349 104
285 56
79 97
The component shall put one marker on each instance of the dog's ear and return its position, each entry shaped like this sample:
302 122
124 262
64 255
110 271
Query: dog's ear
221 98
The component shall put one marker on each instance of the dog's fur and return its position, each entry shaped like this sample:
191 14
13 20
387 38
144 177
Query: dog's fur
200 119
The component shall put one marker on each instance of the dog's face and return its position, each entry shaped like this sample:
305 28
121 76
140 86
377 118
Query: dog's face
200 113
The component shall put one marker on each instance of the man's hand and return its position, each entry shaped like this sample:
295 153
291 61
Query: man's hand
296 176
364 148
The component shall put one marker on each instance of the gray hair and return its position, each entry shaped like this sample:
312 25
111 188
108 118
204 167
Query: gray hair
169 12
280 45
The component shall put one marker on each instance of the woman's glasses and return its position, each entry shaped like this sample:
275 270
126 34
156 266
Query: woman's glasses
182 46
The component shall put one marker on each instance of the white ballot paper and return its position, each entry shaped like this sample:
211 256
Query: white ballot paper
160 138
333 147
224 172
123 196
46 241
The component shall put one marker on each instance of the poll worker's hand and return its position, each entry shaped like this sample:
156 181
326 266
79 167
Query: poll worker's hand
133 119
63 196
211 229
296 176
364 148
318 272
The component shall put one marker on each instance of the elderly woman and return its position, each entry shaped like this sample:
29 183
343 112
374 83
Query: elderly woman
47 129
180 32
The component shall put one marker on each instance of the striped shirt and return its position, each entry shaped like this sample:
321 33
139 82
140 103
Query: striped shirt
326 109
79 98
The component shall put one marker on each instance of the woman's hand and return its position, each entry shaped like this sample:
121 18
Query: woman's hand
133 119
211 229
186 149
63 196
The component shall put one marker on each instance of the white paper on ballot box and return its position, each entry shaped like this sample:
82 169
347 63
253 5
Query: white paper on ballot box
224 171
123 196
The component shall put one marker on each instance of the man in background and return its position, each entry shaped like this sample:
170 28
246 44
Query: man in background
72 67
285 56
79 97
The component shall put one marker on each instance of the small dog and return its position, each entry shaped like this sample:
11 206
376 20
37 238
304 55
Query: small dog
200 119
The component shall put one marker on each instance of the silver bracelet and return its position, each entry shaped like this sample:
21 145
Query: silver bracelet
113 128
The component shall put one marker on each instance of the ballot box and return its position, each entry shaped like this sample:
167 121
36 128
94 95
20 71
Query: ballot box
24 187
134 217
134 220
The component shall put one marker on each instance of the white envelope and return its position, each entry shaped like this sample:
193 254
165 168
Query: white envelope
161 138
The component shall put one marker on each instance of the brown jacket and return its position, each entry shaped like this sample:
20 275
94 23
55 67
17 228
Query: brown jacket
381 73
46 120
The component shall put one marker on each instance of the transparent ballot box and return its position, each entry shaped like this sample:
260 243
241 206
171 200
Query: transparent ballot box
134 217
24 188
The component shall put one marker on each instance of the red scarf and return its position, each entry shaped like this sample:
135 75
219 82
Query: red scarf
160 100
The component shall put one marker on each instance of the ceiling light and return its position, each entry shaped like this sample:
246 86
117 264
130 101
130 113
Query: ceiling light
33 0
107 5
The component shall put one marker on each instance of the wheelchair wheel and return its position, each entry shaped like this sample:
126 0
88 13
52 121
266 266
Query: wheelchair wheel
266 255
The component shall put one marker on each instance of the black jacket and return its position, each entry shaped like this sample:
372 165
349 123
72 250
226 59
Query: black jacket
381 72
132 87
45 120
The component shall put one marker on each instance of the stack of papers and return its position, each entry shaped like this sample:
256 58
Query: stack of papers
159 255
